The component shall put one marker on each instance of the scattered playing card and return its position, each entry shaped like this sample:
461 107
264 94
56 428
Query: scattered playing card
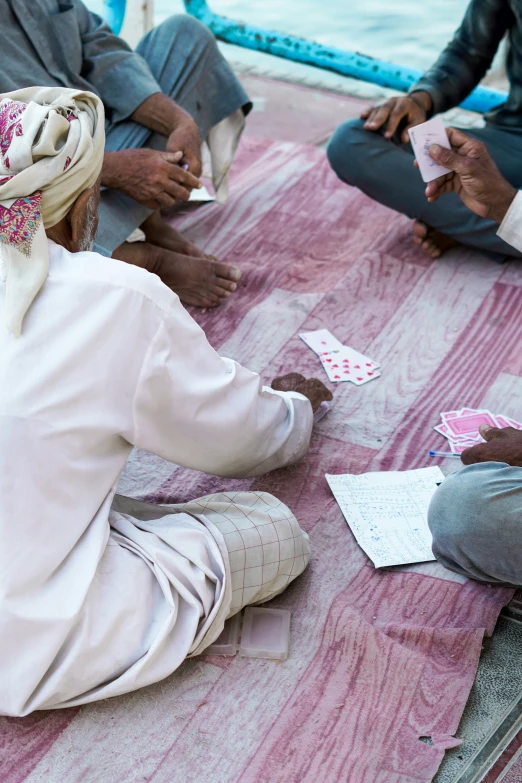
321 341
422 137
340 362
469 424
202 194
504 421
346 364
461 427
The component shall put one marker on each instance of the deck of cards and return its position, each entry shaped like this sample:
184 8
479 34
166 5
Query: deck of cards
341 363
422 137
461 427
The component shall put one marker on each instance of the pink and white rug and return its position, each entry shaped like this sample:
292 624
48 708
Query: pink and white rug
379 660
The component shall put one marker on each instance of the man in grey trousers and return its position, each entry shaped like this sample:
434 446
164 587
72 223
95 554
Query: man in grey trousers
160 102
373 153
475 515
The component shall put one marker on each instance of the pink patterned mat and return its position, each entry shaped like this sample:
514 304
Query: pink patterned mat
378 660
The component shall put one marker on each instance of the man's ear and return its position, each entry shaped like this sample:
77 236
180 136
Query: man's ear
77 219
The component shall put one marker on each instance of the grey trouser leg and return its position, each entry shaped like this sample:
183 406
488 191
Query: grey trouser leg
184 58
383 169
475 517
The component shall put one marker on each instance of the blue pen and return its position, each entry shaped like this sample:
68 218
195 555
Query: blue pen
443 454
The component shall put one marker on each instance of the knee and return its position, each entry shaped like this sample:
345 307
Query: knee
473 510
344 150
185 26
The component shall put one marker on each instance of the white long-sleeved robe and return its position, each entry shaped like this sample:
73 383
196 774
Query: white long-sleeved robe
94 602
510 229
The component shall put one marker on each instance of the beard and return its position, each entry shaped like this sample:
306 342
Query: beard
91 225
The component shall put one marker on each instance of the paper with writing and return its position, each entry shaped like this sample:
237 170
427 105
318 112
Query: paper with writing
387 512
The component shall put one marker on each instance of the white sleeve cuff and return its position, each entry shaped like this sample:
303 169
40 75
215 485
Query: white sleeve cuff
510 229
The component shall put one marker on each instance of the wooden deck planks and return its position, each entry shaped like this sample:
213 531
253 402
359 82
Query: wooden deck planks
480 353
411 345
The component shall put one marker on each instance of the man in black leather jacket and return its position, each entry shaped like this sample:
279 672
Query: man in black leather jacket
374 155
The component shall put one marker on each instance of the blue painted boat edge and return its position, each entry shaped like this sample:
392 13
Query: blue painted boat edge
346 63
114 14
290 47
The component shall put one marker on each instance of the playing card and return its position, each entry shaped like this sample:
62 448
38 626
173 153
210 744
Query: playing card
321 411
443 429
332 367
450 415
422 137
346 364
457 447
364 377
321 341
504 421
469 425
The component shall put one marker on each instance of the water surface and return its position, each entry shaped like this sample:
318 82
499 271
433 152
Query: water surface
408 32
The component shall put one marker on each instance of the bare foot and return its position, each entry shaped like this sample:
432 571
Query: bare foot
433 242
197 281
160 233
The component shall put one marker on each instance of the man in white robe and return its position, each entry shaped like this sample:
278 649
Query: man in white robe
99 594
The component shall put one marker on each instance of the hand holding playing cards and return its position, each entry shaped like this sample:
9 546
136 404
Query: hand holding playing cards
312 388
502 445
412 108
474 176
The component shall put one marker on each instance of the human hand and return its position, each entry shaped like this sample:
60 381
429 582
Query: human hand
312 388
502 445
414 108
185 137
153 178
474 177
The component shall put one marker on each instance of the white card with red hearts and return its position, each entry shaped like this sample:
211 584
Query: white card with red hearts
321 341
346 364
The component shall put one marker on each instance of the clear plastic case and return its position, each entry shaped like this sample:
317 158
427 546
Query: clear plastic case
265 633
227 641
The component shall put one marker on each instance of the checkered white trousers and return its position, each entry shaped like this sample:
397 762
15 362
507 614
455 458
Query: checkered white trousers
267 549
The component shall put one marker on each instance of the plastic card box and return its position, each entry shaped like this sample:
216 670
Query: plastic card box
265 634
227 641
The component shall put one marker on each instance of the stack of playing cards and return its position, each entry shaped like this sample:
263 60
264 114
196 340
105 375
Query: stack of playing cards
461 427
340 362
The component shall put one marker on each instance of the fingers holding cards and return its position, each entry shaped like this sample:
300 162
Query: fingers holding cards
422 137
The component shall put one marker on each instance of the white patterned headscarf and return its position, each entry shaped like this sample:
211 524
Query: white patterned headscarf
51 149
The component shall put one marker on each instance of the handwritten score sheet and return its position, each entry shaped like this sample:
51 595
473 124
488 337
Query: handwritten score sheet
388 512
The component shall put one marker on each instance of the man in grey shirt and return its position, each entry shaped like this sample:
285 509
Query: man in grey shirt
374 154
160 100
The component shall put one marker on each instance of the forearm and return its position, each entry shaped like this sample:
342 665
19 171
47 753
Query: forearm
468 56
112 168
451 79
160 114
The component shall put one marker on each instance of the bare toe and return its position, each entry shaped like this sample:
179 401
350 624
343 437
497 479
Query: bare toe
434 243
222 293
228 285
227 272
420 229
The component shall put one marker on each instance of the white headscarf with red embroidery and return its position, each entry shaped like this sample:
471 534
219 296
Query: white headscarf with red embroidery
51 149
